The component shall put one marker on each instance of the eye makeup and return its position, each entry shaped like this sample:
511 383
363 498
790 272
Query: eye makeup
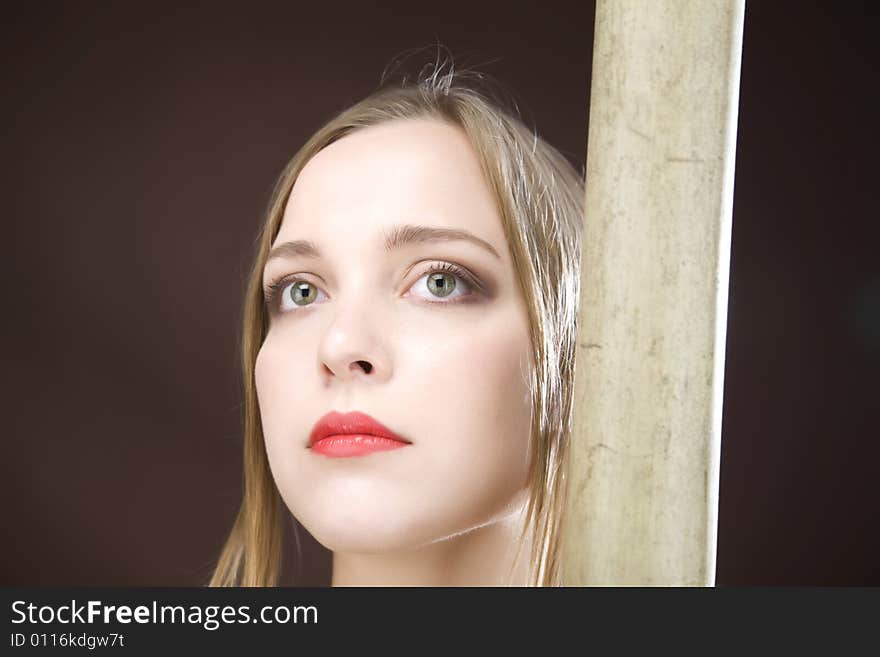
273 290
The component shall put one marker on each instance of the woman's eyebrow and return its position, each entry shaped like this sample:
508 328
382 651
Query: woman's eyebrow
396 238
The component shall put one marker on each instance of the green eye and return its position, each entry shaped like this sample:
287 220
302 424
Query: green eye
303 293
441 284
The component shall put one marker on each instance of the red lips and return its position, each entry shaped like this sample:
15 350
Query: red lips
352 434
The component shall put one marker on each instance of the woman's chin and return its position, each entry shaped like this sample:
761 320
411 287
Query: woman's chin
372 534
378 541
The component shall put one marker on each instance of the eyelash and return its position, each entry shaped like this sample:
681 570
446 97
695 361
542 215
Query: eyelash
273 289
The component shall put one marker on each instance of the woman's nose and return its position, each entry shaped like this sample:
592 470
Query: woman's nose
352 344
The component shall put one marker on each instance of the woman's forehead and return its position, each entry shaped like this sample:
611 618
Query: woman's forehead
419 171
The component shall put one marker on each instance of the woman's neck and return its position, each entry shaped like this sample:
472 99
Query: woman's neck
480 557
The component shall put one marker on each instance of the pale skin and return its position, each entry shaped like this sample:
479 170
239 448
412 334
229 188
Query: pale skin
449 372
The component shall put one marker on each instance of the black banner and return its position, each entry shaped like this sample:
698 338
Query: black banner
150 620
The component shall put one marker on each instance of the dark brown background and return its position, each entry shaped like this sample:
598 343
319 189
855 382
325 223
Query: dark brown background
140 146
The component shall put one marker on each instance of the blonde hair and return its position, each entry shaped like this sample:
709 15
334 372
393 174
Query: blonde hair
540 198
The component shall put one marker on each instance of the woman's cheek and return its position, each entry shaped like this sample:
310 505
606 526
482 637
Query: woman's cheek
265 381
279 383
470 390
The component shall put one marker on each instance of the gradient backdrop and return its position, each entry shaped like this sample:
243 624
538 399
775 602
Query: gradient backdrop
139 148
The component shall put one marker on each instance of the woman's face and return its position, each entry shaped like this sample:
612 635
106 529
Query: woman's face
368 316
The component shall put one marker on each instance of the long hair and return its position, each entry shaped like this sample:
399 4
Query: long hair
540 199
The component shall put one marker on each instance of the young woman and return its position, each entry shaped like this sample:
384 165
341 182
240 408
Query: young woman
408 346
